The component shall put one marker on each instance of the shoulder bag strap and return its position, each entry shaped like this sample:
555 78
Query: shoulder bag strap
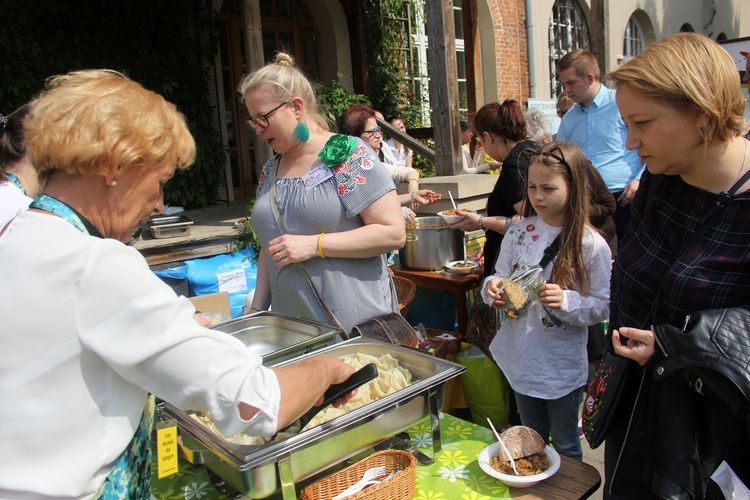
550 252
300 267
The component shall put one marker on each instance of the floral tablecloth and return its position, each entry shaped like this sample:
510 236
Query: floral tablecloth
454 475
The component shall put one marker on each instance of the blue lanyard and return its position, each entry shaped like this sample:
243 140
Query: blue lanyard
12 178
50 204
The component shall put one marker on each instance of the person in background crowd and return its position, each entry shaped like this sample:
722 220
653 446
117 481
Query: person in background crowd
501 129
682 103
394 152
19 182
538 126
324 208
477 163
594 124
551 333
358 120
90 335
564 103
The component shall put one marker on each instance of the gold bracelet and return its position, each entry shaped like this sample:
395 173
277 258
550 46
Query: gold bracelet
320 246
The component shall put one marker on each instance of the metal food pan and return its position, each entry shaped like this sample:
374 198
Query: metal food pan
259 471
169 226
277 337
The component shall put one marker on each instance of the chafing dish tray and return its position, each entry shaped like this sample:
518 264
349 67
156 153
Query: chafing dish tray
259 471
277 337
169 226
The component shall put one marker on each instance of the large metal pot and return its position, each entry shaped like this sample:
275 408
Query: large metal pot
431 244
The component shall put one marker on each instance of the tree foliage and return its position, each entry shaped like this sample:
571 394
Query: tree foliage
151 41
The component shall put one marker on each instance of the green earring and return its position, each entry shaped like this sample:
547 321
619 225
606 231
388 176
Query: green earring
301 132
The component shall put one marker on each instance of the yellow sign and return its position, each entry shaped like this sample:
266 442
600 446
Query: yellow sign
166 450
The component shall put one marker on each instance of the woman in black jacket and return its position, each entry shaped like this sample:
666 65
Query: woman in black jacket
681 101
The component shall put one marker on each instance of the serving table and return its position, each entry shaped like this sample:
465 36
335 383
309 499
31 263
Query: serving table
442 280
455 473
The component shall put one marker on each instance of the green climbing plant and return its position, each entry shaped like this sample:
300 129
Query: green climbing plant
150 41
333 99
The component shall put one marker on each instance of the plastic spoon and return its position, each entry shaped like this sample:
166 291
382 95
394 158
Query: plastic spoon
452 202
505 448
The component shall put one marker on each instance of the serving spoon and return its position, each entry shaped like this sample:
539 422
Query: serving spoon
505 448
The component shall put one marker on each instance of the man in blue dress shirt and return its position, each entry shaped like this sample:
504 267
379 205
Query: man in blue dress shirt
594 124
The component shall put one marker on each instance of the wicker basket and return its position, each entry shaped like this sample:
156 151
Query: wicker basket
399 487
405 290
443 347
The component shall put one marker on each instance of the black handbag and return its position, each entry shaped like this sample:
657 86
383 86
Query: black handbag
712 353
604 397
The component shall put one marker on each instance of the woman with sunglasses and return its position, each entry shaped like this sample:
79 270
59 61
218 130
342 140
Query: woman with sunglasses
325 213
358 120
542 351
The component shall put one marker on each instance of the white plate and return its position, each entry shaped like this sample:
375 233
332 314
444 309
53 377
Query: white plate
451 267
493 450
452 219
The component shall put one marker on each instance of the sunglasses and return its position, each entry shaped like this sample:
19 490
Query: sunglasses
374 131
262 120
561 112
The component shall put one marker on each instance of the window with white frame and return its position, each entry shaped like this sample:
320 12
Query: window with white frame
568 31
420 47
633 41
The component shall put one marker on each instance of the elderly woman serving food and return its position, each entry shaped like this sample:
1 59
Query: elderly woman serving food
89 332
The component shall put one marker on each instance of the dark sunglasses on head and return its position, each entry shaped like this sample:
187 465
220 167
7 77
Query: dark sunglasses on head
561 112
554 153
262 120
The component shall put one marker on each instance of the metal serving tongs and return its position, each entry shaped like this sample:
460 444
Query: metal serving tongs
338 391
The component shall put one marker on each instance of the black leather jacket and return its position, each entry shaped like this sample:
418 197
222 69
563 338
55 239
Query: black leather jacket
677 436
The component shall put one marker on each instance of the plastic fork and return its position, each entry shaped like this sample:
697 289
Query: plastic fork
452 202
368 478
505 448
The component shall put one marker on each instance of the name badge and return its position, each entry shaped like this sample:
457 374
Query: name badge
316 176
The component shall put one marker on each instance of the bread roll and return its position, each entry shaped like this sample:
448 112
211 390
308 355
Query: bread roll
515 298
521 441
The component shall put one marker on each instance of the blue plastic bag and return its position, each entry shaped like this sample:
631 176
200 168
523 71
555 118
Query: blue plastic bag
234 273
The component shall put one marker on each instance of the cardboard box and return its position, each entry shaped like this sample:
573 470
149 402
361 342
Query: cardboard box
218 301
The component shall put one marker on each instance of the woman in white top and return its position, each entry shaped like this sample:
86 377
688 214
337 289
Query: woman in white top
90 335
19 182
395 152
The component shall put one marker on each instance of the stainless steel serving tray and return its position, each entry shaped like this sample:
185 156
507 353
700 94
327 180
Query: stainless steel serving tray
277 337
259 471
169 226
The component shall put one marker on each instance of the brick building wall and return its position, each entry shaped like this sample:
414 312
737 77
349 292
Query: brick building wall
509 21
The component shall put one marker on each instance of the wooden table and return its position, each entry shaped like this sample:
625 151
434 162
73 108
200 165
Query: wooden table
574 480
212 233
441 280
